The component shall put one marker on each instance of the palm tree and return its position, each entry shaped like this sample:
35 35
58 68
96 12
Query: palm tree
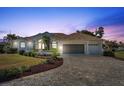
121 44
100 32
9 38
46 41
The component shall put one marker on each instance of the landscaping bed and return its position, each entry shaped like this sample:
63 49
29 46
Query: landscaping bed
15 73
43 67
14 66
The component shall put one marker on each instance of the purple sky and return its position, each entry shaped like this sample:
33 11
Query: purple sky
31 21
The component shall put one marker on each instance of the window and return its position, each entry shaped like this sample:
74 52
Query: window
54 44
39 45
15 44
43 46
22 44
30 44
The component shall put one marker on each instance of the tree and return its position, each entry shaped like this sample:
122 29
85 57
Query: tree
100 32
121 44
78 31
85 32
46 41
112 45
9 38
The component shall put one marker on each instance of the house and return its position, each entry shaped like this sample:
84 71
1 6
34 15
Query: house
75 43
120 48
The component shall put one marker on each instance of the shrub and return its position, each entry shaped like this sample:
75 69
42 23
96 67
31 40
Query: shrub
3 75
25 54
29 54
9 73
54 56
108 53
49 61
11 50
55 53
33 54
12 72
24 69
2 48
21 52
6 74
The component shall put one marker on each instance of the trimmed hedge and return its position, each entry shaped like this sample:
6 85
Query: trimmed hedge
108 53
21 52
11 50
2 48
30 54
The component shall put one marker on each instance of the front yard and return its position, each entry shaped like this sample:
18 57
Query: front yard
16 60
119 54
78 71
14 66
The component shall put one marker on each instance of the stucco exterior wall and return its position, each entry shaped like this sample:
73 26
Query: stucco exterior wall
32 43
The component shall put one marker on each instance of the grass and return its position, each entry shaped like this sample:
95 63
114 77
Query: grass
119 54
16 60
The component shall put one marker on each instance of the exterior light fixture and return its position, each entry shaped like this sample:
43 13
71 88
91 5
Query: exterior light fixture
30 43
60 49
15 44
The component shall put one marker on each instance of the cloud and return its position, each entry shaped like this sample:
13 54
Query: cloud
2 33
114 32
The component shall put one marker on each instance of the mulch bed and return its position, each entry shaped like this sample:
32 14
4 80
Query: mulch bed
43 67
38 68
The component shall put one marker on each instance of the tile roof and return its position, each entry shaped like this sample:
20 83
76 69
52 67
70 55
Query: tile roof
62 36
59 36
75 36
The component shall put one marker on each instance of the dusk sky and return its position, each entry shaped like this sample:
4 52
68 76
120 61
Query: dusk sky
31 21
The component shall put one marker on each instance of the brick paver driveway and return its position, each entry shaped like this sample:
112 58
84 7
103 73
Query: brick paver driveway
79 70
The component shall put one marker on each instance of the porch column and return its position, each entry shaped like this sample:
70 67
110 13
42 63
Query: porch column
87 48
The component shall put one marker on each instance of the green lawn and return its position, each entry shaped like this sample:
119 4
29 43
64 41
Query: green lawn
15 60
119 54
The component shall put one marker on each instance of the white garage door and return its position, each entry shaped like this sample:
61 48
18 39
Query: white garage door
94 49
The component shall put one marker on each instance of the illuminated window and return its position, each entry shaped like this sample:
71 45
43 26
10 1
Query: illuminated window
22 45
39 45
15 44
29 44
54 44
43 46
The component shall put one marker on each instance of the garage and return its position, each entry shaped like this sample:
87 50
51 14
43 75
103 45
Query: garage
94 49
73 48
